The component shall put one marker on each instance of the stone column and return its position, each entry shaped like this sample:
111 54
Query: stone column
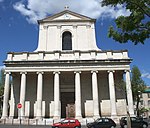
12 103
6 96
112 94
56 96
129 93
22 94
39 95
95 94
77 95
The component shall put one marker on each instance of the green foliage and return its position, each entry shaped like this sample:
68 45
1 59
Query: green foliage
138 86
1 91
2 79
143 110
136 26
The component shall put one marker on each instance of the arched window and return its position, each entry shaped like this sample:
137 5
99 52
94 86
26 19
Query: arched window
66 41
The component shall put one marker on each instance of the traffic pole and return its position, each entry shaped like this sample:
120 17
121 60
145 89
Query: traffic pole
19 106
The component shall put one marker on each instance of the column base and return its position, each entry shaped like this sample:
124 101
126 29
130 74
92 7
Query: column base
38 118
132 115
11 117
114 116
56 117
4 117
21 117
96 116
79 117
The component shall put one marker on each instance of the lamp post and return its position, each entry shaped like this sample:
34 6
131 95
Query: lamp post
138 100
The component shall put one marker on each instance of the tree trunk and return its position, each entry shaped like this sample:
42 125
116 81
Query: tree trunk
128 120
137 106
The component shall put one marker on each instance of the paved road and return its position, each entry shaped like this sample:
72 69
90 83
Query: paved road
31 126
23 126
34 126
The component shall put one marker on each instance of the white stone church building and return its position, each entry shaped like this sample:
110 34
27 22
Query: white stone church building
67 75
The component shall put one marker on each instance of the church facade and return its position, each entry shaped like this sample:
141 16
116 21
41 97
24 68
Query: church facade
67 75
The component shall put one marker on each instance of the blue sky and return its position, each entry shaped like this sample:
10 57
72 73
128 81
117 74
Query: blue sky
19 31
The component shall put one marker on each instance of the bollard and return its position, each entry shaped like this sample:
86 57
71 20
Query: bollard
28 122
4 121
45 122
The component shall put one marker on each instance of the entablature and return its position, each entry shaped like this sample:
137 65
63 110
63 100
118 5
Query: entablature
68 55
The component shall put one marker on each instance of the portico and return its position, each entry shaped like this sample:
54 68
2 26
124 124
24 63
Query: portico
58 87
64 67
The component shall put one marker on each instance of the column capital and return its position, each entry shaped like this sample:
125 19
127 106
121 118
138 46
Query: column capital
56 72
127 70
23 72
94 71
110 71
40 72
7 73
77 72
88 26
45 27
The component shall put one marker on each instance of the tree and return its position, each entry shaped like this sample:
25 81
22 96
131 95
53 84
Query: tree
138 86
121 86
2 78
143 110
136 26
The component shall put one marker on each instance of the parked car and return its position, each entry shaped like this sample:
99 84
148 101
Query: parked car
102 123
67 123
135 122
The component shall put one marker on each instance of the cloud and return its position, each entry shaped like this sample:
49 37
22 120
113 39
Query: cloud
146 75
35 10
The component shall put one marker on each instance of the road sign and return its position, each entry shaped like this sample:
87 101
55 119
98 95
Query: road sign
19 105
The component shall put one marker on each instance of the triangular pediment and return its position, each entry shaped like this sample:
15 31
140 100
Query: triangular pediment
67 15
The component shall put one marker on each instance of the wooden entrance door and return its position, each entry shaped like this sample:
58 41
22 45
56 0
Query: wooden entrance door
67 98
